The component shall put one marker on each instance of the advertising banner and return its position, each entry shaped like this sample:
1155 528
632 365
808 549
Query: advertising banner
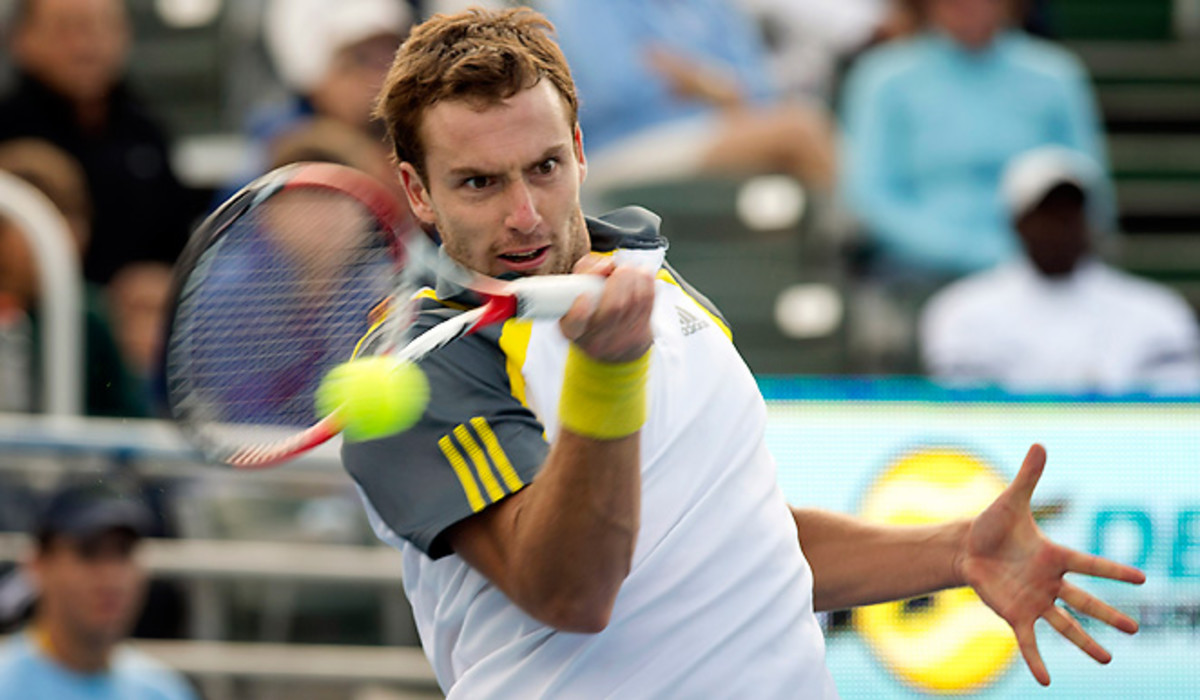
1122 481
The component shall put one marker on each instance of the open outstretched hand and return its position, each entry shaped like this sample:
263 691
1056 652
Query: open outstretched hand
1019 572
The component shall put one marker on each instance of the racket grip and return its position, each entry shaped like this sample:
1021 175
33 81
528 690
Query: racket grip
551 296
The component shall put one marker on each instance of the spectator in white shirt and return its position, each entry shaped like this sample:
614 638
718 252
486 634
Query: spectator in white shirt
1059 320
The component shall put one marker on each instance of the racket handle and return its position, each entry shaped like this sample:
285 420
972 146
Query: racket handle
551 296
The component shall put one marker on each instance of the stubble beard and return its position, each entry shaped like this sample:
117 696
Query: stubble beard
576 245
566 252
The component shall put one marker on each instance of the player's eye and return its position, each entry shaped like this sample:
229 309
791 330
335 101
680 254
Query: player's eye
477 182
546 167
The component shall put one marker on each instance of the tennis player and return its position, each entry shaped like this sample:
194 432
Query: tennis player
587 508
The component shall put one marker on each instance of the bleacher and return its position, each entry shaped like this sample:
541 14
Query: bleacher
1144 57
1143 54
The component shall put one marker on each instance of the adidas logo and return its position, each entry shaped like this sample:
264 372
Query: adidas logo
689 323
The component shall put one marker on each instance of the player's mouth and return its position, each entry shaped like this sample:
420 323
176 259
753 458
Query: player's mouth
525 260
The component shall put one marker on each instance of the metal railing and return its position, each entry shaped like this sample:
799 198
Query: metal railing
61 293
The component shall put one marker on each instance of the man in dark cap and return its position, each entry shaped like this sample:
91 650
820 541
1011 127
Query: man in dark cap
90 586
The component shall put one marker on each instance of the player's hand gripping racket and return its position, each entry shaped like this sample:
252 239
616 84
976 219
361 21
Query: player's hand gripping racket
275 289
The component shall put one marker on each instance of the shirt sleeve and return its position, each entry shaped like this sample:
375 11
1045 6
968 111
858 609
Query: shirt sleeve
475 445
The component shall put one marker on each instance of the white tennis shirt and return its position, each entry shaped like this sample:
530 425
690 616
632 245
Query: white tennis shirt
718 603
1097 330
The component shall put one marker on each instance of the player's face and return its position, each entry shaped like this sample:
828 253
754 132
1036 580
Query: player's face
972 23
91 588
502 183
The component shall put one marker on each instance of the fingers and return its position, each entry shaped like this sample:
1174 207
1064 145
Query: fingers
1027 642
1092 565
617 329
595 264
1068 627
1097 609
1031 471
575 321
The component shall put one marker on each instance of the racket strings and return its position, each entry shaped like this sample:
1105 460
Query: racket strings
281 297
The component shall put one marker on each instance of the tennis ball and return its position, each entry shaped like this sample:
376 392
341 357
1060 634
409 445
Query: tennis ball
374 396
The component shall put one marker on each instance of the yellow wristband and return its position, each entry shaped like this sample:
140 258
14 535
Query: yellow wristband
603 400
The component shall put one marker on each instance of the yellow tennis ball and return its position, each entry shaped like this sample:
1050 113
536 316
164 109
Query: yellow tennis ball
374 396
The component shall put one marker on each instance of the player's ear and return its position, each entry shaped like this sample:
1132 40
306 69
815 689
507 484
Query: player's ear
578 143
417 193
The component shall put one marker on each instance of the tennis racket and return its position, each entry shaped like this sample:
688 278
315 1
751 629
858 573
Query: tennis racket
284 281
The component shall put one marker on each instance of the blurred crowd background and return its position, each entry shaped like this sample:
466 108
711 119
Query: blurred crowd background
823 168
987 192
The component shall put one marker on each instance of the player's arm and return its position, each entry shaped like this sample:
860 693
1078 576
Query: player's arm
859 563
561 547
1001 553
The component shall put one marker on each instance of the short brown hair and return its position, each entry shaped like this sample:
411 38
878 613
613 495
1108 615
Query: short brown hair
478 55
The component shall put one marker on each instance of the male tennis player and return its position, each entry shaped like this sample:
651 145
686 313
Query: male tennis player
587 508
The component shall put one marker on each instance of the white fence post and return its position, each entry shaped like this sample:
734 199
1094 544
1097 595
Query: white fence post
61 293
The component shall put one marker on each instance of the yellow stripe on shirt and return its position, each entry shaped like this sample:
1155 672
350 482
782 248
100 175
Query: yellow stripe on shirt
514 342
482 468
428 293
463 472
496 452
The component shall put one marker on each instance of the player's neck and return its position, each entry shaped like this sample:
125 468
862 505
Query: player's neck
67 650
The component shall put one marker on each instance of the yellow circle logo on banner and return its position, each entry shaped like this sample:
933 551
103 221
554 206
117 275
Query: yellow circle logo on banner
948 642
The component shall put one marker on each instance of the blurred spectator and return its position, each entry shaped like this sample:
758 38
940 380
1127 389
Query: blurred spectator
1060 320
808 40
71 58
333 56
138 299
89 586
931 122
330 141
110 391
676 88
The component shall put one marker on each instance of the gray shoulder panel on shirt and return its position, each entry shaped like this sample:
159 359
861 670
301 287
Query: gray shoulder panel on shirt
443 469
452 463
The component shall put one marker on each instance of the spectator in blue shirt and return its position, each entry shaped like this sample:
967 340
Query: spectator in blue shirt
682 87
931 122
89 591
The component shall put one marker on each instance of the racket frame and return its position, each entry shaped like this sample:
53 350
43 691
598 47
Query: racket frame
540 297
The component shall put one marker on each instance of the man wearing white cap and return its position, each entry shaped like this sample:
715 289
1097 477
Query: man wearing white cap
333 57
1059 320
335 54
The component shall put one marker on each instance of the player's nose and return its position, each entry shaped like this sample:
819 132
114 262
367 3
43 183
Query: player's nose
523 216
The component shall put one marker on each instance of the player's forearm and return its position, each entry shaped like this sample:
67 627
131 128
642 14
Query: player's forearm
580 528
576 535
857 563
